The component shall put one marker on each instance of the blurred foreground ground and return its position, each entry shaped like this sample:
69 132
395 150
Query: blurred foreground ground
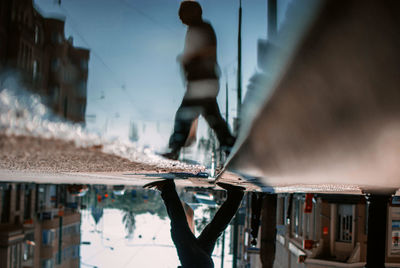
32 159
24 158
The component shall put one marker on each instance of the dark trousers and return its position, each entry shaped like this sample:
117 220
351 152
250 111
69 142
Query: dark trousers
188 111
192 251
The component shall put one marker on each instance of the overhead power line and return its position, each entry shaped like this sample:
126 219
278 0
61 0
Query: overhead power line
121 85
74 26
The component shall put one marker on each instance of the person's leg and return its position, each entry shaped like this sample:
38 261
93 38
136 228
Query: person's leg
224 215
214 119
173 205
184 117
190 254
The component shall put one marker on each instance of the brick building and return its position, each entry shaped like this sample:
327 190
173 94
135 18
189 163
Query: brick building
47 63
39 226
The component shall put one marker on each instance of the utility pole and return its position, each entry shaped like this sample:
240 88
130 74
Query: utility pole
235 239
268 230
272 19
227 101
377 225
239 69
239 107
269 205
223 250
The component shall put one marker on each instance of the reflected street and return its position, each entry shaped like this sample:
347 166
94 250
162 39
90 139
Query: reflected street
96 225
47 225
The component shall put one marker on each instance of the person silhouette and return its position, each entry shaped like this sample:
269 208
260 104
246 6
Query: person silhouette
201 73
196 252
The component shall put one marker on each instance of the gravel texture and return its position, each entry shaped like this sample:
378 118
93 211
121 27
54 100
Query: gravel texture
50 155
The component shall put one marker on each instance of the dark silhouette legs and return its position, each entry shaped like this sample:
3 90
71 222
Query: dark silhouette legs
224 215
188 111
192 251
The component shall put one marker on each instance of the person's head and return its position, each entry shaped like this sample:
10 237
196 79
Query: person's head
190 12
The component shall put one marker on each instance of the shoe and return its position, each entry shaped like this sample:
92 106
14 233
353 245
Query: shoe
160 185
226 145
231 187
226 149
172 155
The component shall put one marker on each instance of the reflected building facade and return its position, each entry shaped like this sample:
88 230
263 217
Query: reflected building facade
40 226
316 231
325 230
46 62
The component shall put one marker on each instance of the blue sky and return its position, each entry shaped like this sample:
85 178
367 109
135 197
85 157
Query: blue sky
134 45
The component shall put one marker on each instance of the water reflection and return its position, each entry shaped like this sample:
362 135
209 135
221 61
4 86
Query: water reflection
40 226
45 225
130 201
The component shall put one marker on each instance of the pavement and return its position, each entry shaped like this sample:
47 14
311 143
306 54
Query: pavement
39 160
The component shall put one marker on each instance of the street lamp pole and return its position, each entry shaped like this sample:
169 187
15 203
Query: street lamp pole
237 126
239 68
227 101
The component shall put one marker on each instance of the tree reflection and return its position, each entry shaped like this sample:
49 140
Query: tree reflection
132 202
208 213
129 221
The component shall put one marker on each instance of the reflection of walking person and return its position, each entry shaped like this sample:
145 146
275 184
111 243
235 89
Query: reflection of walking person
199 63
196 252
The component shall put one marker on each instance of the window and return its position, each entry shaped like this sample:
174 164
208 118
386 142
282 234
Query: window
56 94
48 237
395 244
65 113
56 38
18 197
82 87
344 223
298 217
36 34
25 56
28 248
14 256
84 64
21 53
49 263
281 211
73 229
27 202
75 252
82 108
55 64
35 70
396 236
5 203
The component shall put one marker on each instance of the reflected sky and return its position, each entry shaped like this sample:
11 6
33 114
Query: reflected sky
110 248
125 227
